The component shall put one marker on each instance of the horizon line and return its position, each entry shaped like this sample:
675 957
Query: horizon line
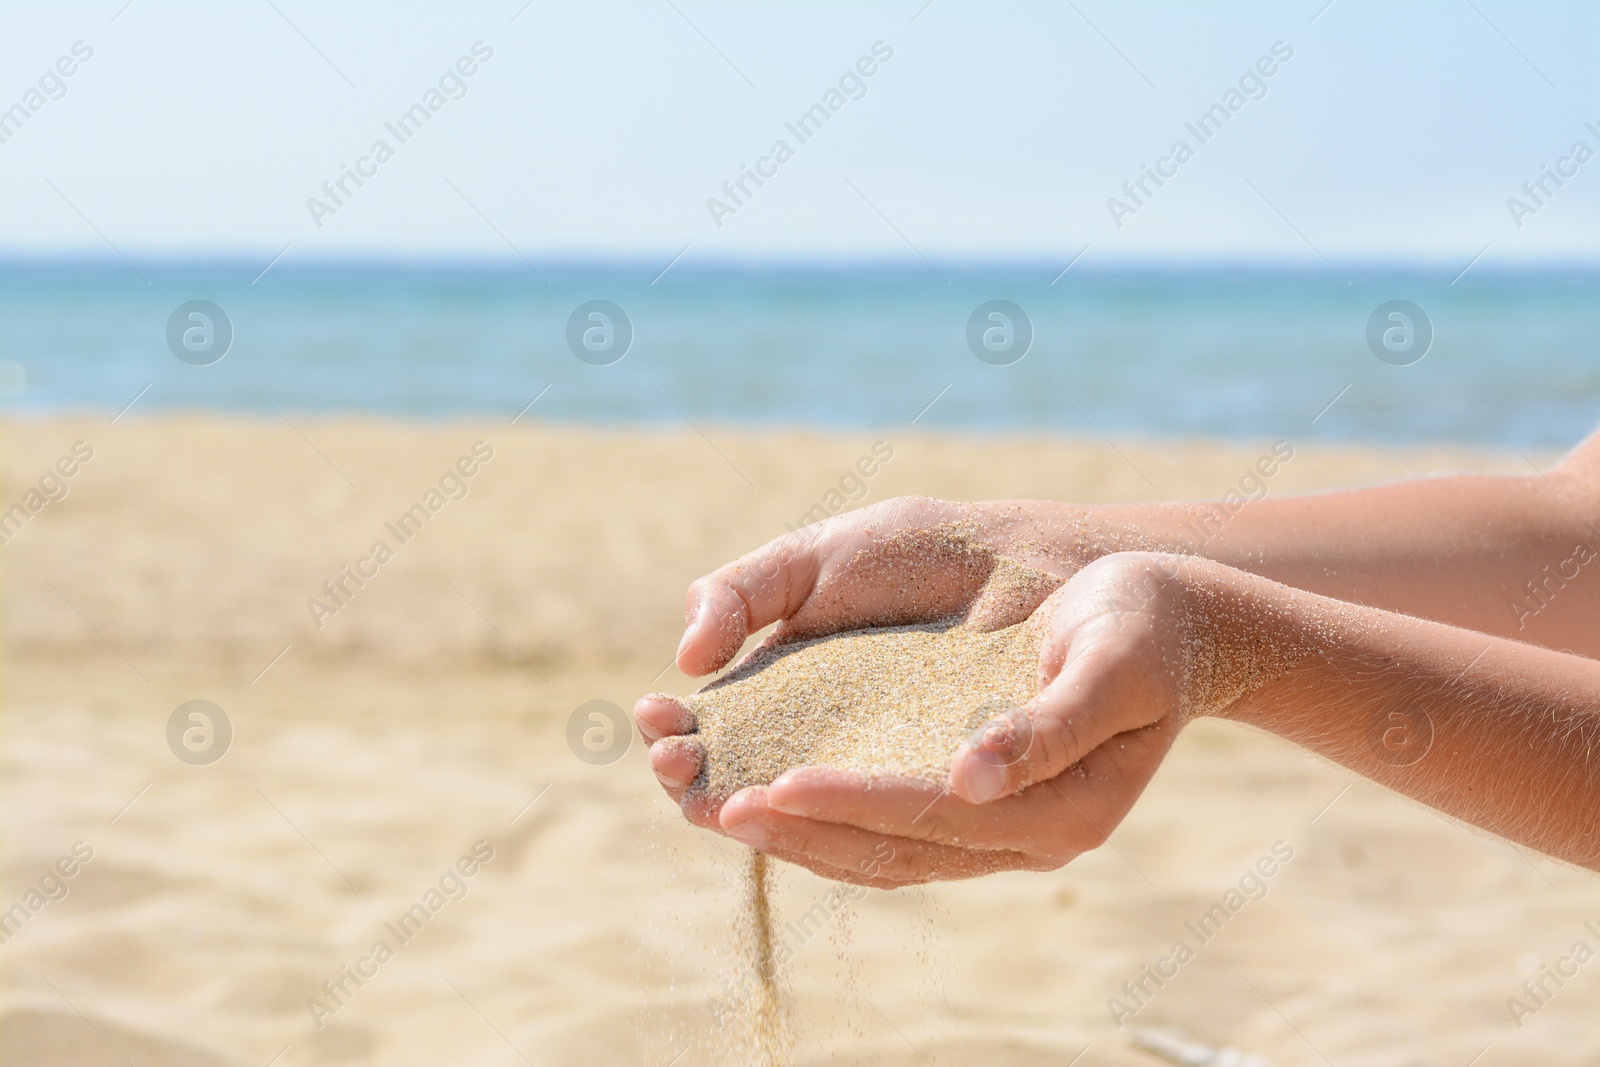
246 258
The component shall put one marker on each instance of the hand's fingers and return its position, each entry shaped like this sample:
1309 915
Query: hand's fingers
874 860
1037 821
730 603
900 807
886 564
1052 821
1005 603
896 563
701 809
1103 787
747 818
676 762
832 873
1096 695
661 715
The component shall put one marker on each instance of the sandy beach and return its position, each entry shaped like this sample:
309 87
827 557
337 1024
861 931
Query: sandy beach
415 727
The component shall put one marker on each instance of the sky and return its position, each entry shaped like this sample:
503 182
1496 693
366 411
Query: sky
984 130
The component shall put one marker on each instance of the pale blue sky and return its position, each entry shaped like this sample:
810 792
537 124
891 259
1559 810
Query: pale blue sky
994 129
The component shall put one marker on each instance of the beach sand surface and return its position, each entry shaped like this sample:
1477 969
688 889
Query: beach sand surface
428 716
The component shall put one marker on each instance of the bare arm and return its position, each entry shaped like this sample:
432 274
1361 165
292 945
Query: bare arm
1502 555
1397 603
1497 733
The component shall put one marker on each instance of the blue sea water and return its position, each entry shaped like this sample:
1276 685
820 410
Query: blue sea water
1231 352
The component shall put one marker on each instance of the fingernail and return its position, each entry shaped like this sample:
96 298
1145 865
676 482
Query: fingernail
669 782
983 780
750 833
693 624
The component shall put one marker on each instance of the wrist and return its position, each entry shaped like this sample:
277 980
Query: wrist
1238 633
1207 632
1072 536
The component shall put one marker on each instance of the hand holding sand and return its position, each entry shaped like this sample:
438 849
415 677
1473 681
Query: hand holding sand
885 752
886 565
1030 787
1129 649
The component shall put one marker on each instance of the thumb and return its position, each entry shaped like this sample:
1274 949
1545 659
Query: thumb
716 625
1085 704
742 597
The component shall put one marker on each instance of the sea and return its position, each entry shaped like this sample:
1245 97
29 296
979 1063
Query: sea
1237 352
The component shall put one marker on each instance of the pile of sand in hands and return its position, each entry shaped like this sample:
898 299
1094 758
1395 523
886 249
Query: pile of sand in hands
888 700
893 700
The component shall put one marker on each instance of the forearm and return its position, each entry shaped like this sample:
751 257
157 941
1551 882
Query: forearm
1500 734
1503 555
